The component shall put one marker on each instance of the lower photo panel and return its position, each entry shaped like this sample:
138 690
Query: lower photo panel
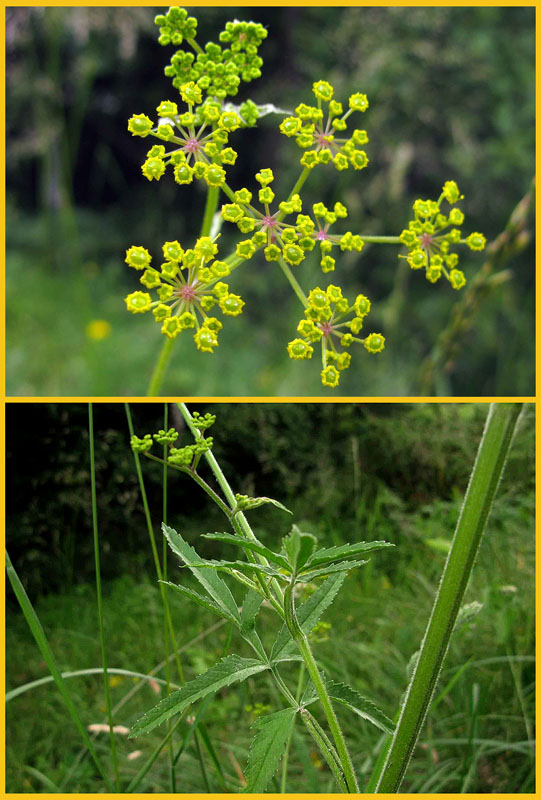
298 598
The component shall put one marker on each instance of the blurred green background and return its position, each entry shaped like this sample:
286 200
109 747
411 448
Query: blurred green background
349 472
451 95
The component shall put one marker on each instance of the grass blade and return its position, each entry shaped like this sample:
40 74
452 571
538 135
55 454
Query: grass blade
95 533
26 687
48 656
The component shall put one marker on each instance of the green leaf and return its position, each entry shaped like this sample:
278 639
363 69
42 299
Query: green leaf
298 546
272 733
350 698
252 545
330 555
247 503
227 566
250 608
308 615
211 582
201 600
331 569
228 670
366 709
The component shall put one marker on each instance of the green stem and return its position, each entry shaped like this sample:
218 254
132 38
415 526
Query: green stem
327 750
484 480
157 566
227 491
159 370
293 282
381 239
285 757
302 643
200 482
213 193
296 189
166 639
99 594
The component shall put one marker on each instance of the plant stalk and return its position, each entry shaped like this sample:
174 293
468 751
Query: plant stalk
160 368
302 642
112 739
486 474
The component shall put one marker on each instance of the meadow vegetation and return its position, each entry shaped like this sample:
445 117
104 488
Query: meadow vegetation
370 472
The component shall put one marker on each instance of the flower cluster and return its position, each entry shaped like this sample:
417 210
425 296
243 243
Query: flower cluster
429 248
328 318
287 240
217 71
189 284
201 135
186 456
203 421
316 132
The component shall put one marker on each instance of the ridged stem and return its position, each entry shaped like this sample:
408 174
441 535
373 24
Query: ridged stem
487 470
306 652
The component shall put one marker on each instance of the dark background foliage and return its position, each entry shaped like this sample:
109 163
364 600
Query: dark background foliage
331 464
451 96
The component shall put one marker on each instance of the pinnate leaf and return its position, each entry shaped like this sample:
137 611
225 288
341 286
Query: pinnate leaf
250 608
250 544
331 569
201 600
228 670
333 555
243 566
211 582
346 696
272 733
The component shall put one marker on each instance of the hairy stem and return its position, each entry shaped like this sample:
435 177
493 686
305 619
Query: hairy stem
484 480
302 643
325 746
228 493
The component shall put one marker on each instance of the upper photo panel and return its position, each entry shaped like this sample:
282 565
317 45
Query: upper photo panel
270 202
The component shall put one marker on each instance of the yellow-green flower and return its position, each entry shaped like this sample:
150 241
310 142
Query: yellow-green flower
429 238
331 320
321 137
188 284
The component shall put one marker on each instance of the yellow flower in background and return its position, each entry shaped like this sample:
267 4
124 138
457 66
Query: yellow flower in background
98 329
